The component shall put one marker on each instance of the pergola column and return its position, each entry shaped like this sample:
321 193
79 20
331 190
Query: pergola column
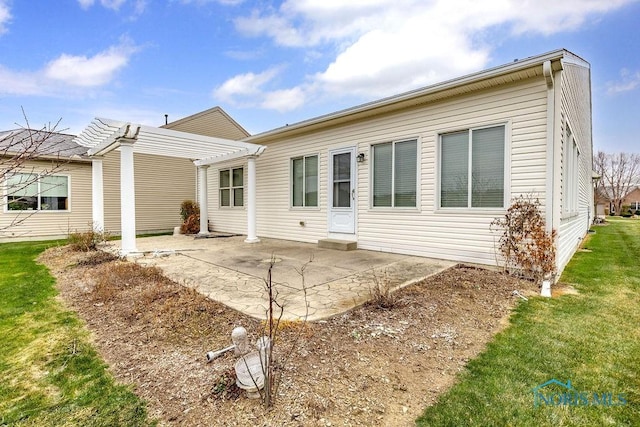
97 195
127 196
203 199
251 201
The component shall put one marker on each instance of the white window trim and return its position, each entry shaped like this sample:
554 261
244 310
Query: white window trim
437 209
304 207
412 209
571 181
231 187
5 197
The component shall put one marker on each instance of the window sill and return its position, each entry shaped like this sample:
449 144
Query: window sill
304 208
470 211
569 215
393 210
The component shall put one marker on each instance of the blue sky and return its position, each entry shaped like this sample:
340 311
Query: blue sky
269 63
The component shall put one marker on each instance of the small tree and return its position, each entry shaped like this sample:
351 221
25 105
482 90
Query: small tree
18 149
525 246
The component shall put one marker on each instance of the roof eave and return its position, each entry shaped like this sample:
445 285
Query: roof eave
353 113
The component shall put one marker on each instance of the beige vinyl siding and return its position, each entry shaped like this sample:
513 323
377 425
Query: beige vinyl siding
52 224
576 110
213 122
461 234
226 219
161 184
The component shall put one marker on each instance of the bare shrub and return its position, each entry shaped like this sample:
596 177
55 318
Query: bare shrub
190 214
121 275
381 293
526 248
86 241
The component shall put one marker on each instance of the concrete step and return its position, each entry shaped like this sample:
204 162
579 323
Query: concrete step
340 245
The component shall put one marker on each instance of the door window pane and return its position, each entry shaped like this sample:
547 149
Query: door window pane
342 194
342 167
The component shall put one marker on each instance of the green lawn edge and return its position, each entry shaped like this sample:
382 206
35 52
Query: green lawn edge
50 374
591 339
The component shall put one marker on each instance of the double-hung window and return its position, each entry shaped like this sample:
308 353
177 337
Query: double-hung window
304 181
472 172
232 187
33 192
395 174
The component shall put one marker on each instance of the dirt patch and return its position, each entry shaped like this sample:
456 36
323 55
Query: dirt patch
370 366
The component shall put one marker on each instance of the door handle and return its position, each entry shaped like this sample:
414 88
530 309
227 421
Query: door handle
353 193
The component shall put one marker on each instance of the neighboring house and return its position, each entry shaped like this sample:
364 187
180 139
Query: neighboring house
425 172
57 196
632 199
605 206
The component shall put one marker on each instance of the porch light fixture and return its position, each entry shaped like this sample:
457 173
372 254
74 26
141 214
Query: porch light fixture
360 157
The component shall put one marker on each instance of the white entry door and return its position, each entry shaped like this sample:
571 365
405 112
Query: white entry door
342 193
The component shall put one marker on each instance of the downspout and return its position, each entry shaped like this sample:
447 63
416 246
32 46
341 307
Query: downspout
547 71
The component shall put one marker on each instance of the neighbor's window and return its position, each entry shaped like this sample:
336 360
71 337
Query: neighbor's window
33 192
472 168
232 187
395 174
304 185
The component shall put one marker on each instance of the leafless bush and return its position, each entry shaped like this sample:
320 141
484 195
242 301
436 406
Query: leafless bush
86 241
381 292
190 214
526 248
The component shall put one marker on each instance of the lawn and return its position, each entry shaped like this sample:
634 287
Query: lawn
49 373
591 339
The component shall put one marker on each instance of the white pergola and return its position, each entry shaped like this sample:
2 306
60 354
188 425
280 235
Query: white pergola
105 135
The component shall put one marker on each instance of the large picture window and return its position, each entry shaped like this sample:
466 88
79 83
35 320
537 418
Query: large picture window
395 174
33 192
304 185
472 168
232 187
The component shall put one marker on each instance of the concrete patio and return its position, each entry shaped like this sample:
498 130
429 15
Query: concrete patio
311 282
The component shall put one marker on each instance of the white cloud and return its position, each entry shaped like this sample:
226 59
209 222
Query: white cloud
245 88
68 72
138 6
380 50
629 81
19 83
91 71
86 4
222 2
5 16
